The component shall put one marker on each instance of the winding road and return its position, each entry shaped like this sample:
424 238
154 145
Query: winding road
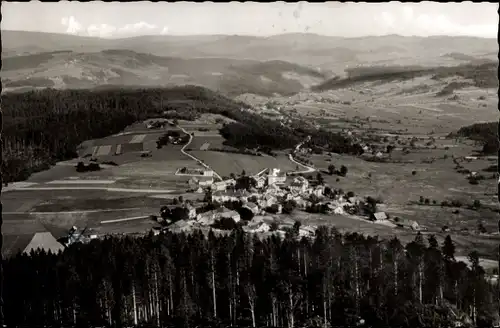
193 157
308 169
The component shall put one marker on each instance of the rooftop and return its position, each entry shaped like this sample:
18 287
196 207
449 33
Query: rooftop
45 241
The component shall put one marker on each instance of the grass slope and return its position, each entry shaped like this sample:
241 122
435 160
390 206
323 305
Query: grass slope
66 69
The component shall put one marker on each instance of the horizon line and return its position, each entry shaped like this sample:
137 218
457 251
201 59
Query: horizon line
254 36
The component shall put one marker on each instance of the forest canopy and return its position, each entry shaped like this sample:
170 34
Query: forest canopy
46 126
239 280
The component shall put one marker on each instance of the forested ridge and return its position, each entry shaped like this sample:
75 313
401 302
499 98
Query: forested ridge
42 127
485 133
240 280
483 75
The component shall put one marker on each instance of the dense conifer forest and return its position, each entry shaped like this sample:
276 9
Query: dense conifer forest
45 126
239 280
485 133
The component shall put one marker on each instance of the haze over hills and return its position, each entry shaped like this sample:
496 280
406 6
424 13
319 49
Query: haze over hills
281 64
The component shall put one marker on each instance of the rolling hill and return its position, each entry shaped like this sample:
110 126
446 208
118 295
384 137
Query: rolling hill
68 69
234 65
325 52
484 75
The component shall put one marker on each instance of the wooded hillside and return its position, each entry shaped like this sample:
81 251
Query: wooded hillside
42 127
240 281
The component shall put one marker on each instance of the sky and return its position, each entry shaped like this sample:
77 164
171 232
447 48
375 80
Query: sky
127 19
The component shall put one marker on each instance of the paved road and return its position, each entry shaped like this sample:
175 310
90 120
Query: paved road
193 157
308 169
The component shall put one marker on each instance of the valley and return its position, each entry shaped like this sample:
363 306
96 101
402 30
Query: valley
275 154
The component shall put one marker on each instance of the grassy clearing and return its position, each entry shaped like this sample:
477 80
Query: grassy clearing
227 163
109 203
484 244
396 183
213 143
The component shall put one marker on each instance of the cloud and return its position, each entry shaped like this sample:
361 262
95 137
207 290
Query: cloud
101 30
407 23
72 25
141 27
109 31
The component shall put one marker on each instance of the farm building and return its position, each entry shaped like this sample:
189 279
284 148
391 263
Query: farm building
276 177
230 182
219 186
44 241
207 218
318 191
404 223
205 181
207 173
267 201
191 211
379 216
257 227
228 214
354 200
181 226
260 181
306 231
299 184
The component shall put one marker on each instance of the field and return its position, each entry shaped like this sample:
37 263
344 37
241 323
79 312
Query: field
227 163
201 142
58 198
486 245
370 109
400 111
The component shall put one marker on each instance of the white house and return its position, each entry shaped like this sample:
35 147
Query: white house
306 231
205 182
206 219
221 197
299 184
230 182
354 200
379 216
318 191
260 181
267 200
208 173
191 211
263 227
219 186
276 177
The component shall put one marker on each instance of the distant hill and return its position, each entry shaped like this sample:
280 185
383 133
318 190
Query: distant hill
483 75
67 69
329 53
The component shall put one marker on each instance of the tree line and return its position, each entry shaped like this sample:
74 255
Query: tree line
241 280
45 126
485 133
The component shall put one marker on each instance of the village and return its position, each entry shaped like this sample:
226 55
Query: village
262 203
